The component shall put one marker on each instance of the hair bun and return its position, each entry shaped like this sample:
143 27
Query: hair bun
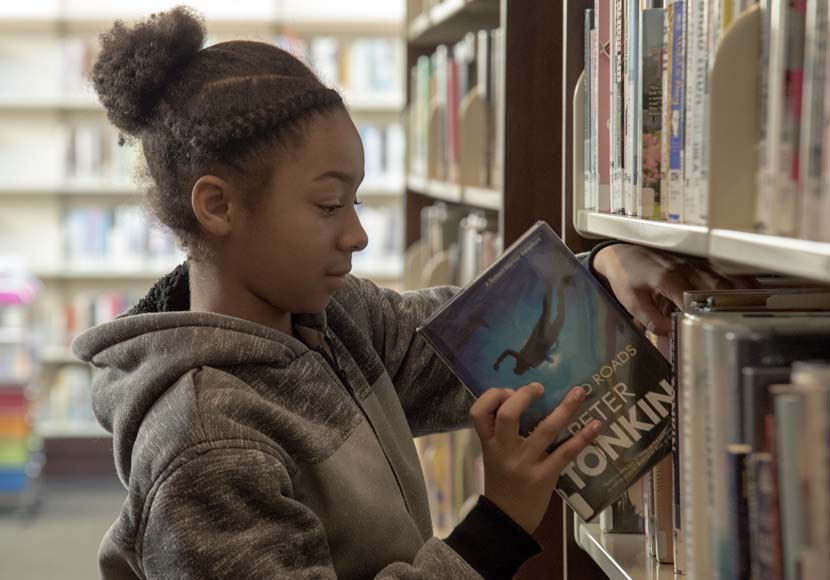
136 62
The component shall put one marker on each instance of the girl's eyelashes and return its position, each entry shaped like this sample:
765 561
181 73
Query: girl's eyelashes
332 209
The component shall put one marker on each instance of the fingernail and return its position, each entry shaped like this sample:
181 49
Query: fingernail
595 426
577 394
651 326
540 388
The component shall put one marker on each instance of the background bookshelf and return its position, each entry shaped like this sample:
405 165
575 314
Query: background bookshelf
69 201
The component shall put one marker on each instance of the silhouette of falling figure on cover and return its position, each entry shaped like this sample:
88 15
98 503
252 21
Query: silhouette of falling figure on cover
545 336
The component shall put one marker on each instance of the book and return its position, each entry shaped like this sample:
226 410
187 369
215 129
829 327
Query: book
532 316
602 14
811 224
762 525
632 106
589 95
677 106
697 67
618 109
738 505
651 116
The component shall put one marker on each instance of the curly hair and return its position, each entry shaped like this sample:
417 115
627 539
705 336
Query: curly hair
223 110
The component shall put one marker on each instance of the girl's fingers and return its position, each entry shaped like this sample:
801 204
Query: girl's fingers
483 411
568 451
507 417
548 429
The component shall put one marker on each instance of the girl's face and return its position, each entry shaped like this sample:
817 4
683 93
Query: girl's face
295 248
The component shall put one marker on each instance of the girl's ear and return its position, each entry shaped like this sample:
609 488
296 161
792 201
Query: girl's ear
213 201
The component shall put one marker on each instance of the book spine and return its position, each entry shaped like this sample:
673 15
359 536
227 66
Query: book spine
618 110
651 118
815 53
677 459
738 505
824 202
695 202
675 209
664 511
589 108
594 116
787 78
602 11
665 136
696 477
763 204
788 420
632 107
760 503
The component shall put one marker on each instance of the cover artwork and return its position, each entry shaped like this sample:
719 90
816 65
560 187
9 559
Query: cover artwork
538 315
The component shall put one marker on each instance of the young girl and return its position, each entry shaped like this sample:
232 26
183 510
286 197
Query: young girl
263 401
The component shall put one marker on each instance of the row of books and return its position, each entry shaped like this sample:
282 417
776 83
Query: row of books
454 120
468 241
647 79
119 237
752 437
361 66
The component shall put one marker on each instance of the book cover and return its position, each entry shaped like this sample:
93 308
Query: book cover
533 316
678 464
651 101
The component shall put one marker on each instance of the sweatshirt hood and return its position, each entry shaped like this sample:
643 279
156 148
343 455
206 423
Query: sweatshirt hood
141 354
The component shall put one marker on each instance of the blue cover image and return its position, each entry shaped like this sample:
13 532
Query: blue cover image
538 315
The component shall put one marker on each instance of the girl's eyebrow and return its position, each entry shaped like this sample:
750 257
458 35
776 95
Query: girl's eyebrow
346 178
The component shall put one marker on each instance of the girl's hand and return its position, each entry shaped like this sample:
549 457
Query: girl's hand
519 474
650 283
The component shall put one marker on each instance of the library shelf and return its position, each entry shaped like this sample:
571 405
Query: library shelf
482 197
682 238
479 197
621 556
103 274
97 188
266 25
451 20
70 429
357 103
794 257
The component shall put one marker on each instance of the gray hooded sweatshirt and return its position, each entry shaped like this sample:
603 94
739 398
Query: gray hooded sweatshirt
248 453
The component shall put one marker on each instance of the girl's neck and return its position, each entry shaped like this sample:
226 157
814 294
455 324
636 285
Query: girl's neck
213 291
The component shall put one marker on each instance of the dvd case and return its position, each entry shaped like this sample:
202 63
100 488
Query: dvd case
534 315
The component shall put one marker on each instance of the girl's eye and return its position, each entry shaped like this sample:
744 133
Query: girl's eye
330 209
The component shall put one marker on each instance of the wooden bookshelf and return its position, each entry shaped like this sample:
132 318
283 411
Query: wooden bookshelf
452 19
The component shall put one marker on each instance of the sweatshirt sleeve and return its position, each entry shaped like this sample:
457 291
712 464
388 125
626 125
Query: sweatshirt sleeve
231 514
433 399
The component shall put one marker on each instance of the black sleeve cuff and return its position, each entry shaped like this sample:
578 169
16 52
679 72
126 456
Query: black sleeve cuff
491 542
